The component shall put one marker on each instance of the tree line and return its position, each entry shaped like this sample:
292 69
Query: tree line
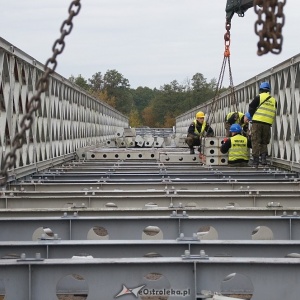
145 106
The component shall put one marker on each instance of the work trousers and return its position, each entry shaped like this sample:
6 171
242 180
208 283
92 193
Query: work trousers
260 138
227 127
192 140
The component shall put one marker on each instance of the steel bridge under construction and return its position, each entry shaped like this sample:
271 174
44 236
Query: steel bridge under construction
84 216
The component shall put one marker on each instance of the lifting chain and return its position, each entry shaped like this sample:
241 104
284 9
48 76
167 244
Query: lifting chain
269 25
227 55
41 86
221 76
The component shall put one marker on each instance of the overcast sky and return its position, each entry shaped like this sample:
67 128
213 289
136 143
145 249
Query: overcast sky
150 42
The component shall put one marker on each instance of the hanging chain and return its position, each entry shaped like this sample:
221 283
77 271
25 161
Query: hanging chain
232 90
227 38
41 86
210 118
269 25
221 75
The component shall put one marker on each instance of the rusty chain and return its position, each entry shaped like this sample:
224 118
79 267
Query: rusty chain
269 25
41 86
227 38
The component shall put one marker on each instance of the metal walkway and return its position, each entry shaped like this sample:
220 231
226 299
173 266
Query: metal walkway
178 228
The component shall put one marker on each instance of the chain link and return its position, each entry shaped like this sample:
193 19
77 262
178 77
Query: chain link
226 59
227 54
41 86
269 25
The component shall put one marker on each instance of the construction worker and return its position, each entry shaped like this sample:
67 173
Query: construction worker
263 110
197 130
237 117
237 147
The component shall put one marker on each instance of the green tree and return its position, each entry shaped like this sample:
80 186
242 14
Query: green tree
134 118
198 82
145 106
80 81
117 86
148 116
169 102
142 96
102 95
112 79
96 82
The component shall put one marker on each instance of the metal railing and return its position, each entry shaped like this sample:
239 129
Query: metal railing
68 119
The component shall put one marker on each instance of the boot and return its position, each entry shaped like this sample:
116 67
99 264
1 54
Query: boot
192 151
255 162
264 159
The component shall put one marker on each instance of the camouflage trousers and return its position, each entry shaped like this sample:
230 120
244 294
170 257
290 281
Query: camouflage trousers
192 140
260 138
227 127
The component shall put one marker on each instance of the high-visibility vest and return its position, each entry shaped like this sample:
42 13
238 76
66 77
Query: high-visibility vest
266 111
239 149
202 128
239 119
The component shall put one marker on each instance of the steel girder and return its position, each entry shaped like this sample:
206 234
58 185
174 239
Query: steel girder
149 248
74 227
103 278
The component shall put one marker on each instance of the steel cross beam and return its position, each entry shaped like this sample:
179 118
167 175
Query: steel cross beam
104 278
172 199
157 228
149 248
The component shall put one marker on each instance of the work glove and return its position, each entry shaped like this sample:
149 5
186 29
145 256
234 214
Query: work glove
225 140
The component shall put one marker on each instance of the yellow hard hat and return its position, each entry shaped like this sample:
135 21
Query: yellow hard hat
200 114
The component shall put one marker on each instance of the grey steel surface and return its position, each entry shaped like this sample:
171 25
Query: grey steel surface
152 199
283 202
153 184
192 275
150 248
227 184
141 175
121 212
161 198
132 228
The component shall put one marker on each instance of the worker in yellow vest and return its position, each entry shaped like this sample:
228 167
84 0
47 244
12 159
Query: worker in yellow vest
237 147
198 129
263 111
238 117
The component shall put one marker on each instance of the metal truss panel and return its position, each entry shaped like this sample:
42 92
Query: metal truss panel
62 124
